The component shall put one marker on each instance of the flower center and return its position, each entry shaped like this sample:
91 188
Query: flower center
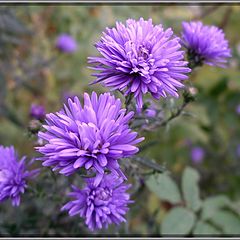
194 58
99 196
143 52
142 61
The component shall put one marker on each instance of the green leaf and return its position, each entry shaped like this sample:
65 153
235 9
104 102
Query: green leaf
179 221
203 228
164 187
227 221
212 204
190 188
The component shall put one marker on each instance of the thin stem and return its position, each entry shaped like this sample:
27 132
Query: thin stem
187 99
226 18
174 115
128 101
150 164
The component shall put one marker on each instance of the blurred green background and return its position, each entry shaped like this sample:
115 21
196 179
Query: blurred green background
32 70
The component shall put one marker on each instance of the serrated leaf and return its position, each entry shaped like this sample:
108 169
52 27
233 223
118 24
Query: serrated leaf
179 221
227 221
203 228
190 188
164 187
212 204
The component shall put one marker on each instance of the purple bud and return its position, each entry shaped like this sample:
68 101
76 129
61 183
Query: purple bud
37 111
66 43
150 112
197 155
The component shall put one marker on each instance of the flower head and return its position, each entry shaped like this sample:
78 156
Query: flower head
13 175
37 111
197 154
66 43
94 135
205 44
140 58
100 205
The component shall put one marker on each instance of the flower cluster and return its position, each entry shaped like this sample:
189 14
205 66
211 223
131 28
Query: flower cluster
92 136
136 58
205 44
13 175
140 58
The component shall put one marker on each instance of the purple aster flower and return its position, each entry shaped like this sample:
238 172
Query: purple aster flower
139 58
13 175
100 205
66 43
94 135
37 111
197 154
205 44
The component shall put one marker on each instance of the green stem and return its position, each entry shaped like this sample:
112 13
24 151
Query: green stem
150 164
128 101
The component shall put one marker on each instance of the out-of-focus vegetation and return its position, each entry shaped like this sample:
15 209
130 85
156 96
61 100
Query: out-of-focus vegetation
32 70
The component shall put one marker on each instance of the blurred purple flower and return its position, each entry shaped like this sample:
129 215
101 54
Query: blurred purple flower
238 109
37 111
205 44
100 205
66 43
150 112
238 150
197 154
139 58
13 175
94 135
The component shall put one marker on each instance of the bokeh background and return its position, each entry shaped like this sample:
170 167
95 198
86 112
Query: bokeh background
33 70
